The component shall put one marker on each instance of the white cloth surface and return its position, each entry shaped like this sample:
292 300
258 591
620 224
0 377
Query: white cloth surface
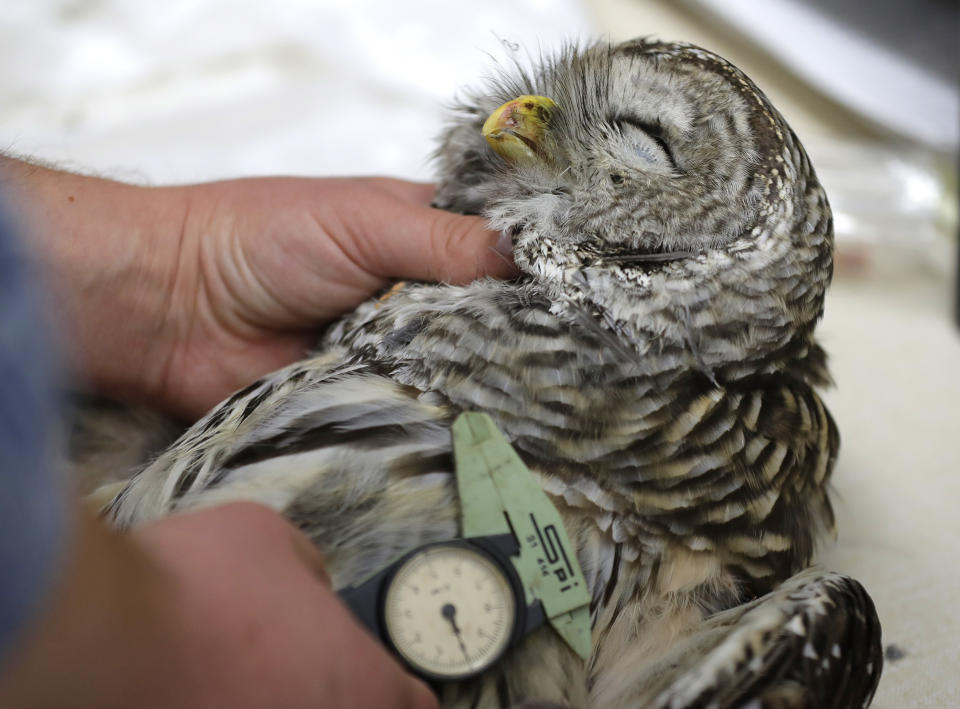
896 359
197 89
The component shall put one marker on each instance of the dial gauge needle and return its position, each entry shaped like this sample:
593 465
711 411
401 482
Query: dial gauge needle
449 611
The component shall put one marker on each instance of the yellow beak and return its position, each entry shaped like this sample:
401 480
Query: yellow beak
519 130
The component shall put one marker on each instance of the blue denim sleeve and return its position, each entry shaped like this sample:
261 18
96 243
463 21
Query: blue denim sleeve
33 507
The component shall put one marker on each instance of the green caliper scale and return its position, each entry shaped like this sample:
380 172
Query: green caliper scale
449 610
499 495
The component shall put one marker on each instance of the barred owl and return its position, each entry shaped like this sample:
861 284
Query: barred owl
654 365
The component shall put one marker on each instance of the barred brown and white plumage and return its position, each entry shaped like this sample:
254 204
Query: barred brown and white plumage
655 366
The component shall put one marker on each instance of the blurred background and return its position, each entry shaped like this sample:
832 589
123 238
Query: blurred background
190 90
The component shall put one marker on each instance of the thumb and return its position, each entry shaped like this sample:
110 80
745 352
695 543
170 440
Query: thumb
429 244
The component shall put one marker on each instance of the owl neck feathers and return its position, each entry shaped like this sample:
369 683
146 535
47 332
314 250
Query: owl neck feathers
754 299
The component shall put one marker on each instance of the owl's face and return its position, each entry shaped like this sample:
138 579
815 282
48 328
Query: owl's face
649 148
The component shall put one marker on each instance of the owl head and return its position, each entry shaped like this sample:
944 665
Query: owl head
643 155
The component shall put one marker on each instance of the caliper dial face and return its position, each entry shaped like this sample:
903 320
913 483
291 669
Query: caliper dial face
450 611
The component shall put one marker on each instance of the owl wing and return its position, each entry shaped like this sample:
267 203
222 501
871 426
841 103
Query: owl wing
814 642
362 464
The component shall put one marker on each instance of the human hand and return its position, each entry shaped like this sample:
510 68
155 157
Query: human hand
222 607
266 262
255 623
177 296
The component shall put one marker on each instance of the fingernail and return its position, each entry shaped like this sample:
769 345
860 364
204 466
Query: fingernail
504 245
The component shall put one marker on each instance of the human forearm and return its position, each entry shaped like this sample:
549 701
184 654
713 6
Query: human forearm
106 252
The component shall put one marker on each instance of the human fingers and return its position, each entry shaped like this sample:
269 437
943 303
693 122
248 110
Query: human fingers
264 632
372 677
311 557
429 244
420 696
413 193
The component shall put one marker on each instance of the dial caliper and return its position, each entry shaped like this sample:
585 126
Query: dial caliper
451 609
